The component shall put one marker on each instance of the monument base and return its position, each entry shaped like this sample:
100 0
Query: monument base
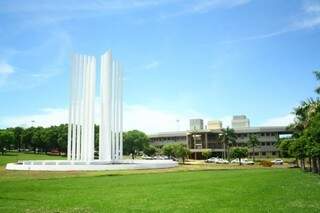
96 165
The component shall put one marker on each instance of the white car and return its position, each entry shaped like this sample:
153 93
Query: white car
244 161
217 160
277 162
146 157
160 158
211 160
222 161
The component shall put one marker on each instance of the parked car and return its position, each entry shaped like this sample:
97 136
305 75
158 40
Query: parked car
212 160
160 157
277 162
222 161
146 157
247 162
217 160
244 161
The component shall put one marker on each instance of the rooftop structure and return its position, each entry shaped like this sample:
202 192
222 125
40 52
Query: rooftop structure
196 124
214 124
240 121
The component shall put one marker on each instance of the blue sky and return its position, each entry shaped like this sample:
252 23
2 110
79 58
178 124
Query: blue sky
182 59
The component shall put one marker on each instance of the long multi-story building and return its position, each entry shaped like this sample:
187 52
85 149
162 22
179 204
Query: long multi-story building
208 139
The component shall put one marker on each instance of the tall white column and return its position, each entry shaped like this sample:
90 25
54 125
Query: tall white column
105 131
74 107
71 108
121 112
91 106
116 102
78 112
112 110
102 149
82 110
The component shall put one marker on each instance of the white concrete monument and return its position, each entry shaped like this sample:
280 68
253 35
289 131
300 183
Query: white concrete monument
80 151
82 106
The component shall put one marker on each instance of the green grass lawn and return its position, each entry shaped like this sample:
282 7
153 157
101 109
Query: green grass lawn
236 190
11 157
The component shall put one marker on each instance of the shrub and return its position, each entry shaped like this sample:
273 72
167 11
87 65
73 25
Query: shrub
266 163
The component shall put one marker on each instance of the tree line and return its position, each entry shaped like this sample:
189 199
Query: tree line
53 139
304 145
36 139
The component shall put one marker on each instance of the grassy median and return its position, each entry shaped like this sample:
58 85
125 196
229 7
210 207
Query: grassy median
248 189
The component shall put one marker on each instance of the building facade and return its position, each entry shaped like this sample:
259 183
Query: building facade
206 139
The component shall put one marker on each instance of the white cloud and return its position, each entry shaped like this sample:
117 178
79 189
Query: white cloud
76 5
5 68
311 18
312 7
37 73
44 75
193 6
279 121
5 71
308 20
144 118
204 6
138 117
152 65
46 117
50 12
153 120
308 23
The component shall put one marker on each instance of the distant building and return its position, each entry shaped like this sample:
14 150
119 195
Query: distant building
214 124
196 124
240 122
198 139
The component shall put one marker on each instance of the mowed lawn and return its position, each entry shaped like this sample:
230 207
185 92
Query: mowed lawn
237 190
11 157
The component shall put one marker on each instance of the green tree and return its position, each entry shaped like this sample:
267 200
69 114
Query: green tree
39 139
181 151
317 74
27 138
305 140
6 139
298 149
168 150
150 150
18 132
283 146
239 152
312 145
253 143
206 154
134 141
228 137
62 139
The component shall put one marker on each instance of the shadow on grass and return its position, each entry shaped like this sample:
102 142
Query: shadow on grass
20 199
9 154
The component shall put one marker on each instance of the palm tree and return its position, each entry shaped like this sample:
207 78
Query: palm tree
304 113
228 137
317 74
253 142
